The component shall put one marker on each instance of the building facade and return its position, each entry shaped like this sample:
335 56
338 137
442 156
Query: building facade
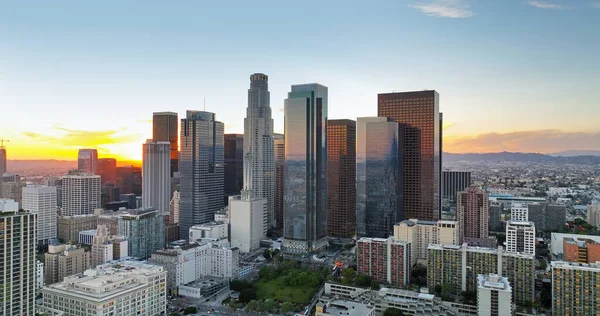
144 229
80 194
418 115
124 288
201 163
575 288
18 263
520 237
519 212
305 169
472 213
279 148
378 177
494 295
42 201
454 182
234 164
582 250
107 170
258 141
156 176
341 178
64 260
3 159
87 160
420 234
70 226
495 220
593 214
385 260
165 129
213 230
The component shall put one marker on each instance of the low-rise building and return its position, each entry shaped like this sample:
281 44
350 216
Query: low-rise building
217 230
64 260
581 250
106 248
86 237
343 307
70 226
124 288
205 287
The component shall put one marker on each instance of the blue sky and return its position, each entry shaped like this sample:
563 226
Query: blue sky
524 72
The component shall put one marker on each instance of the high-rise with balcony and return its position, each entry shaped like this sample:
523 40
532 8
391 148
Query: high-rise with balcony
418 115
41 200
520 237
575 288
494 295
234 164
378 177
80 194
144 229
472 213
201 169
279 148
341 178
305 169
386 260
164 129
18 263
258 140
87 160
156 176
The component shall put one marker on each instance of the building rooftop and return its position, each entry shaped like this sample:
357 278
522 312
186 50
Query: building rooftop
349 308
493 281
595 267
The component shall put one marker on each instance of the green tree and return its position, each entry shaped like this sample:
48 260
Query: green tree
251 306
363 280
247 295
374 285
287 307
393 312
239 285
268 254
348 275
190 310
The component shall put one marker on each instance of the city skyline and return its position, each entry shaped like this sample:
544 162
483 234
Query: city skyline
102 67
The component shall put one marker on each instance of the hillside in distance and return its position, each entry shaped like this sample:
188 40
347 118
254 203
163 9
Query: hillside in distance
50 167
523 157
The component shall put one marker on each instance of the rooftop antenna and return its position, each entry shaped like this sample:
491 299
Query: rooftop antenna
2 141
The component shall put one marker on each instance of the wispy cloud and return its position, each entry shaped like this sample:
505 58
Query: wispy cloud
543 141
445 8
79 138
596 5
545 5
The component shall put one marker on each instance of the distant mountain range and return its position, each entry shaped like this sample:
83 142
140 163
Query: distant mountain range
525 157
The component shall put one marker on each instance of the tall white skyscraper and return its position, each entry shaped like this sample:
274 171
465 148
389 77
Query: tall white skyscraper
41 200
80 194
258 140
520 237
247 214
156 176
18 263
494 295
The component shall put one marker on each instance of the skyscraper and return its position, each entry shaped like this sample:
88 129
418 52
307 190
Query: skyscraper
201 168
2 160
129 180
454 182
156 176
305 169
107 170
418 115
234 164
18 263
80 194
341 178
164 129
258 140
472 213
279 147
41 201
378 177
87 160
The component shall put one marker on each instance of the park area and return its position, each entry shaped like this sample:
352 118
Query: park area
277 289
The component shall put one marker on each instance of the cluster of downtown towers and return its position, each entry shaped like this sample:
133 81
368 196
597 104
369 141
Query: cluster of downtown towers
322 178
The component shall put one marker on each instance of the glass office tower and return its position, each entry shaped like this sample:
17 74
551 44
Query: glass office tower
305 169
378 177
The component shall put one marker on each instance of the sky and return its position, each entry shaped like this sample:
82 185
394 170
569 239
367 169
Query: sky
514 75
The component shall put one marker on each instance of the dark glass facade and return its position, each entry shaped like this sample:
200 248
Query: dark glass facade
234 164
201 169
418 115
129 180
305 169
453 182
87 160
341 178
107 170
279 149
165 129
378 177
